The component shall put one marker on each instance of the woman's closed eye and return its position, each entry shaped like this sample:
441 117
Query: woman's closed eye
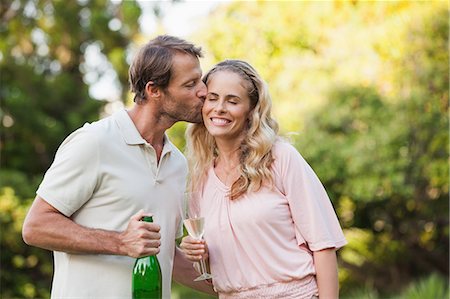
211 97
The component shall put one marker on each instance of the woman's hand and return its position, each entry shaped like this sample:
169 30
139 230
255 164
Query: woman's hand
194 250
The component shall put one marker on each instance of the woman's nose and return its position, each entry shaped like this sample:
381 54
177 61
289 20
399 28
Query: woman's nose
220 106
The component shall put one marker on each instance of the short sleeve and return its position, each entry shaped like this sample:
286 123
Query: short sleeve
71 179
315 220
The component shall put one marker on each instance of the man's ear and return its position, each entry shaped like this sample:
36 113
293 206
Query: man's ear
152 91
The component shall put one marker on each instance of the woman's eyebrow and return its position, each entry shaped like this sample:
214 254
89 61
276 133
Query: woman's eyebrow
227 96
232 96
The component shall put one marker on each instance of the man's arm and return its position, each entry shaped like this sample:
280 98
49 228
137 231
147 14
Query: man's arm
46 227
184 273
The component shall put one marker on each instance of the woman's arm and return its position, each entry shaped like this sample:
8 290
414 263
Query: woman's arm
184 273
325 262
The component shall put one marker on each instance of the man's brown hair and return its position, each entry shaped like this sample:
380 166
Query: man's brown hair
154 63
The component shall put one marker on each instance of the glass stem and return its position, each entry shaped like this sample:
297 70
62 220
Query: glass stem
203 266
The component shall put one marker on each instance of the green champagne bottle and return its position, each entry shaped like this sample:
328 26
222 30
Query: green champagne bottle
147 278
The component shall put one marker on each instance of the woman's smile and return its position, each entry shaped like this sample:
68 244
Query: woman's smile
227 105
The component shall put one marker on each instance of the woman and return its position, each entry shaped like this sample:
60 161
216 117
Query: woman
270 229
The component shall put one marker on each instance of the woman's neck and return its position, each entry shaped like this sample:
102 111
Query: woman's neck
226 164
228 153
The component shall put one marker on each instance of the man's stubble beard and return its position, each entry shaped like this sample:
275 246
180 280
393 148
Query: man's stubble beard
184 113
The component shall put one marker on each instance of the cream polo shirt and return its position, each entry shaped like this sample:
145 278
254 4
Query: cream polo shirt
102 174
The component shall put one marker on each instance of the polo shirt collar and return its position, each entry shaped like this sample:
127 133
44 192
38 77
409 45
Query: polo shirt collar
131 135
128 130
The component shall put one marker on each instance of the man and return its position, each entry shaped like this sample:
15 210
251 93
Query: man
107 174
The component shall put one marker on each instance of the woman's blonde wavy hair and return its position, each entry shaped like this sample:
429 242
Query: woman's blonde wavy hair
256 148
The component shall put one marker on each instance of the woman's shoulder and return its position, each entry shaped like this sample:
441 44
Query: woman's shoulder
283 147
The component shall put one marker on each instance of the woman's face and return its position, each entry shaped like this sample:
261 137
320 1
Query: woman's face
227 105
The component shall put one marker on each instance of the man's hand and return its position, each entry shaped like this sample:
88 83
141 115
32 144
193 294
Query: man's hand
140 238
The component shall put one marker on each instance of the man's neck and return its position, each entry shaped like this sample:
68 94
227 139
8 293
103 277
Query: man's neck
151 125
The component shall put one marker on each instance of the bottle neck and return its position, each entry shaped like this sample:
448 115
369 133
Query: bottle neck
147 218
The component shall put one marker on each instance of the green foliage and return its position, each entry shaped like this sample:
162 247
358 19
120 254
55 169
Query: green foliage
43 92
182 292
25 270
176 134
362 293
387 171
364 85
44 96
433 286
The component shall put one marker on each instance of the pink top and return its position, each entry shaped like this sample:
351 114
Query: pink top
265 237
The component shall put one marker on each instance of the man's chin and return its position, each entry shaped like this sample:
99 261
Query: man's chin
194 119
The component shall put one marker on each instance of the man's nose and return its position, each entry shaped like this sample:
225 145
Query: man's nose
202 90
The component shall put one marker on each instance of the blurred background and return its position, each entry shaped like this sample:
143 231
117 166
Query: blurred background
360 87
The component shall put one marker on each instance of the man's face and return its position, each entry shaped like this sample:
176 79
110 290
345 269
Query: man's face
183 99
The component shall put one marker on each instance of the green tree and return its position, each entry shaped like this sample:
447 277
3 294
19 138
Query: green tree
385 162
44 94
364 87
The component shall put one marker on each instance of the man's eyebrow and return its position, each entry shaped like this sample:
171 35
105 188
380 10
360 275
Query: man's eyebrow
193 78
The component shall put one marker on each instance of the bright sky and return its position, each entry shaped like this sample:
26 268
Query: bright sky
179 19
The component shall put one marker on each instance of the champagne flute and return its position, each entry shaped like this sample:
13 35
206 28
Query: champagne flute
195 226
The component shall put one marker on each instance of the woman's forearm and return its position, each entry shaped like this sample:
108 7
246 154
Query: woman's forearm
325 262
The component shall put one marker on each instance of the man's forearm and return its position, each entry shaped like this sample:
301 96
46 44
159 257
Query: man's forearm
45 227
